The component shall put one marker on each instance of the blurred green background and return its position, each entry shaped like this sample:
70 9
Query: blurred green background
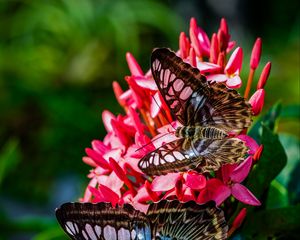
57 62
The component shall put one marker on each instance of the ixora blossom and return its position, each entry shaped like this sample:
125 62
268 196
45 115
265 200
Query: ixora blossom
148 123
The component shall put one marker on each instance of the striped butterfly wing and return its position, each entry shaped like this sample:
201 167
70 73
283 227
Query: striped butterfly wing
164 220
87 221
192 100
187 221
185 154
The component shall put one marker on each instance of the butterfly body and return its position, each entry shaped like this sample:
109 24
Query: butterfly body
208 113
196 132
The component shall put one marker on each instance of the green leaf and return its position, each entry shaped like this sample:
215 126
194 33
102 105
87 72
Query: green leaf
269 120
274 223
289 176
278 196
291 145
9 158
269 165
291 111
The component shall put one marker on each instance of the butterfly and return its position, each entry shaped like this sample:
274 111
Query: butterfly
208 113
165 220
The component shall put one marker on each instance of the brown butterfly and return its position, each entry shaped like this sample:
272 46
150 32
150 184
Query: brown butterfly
208 112
165 220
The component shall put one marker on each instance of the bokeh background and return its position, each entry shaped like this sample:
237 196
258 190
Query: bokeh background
57 62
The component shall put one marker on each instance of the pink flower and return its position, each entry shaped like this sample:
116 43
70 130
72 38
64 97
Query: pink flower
199 39
147 123
232 176
181 185
231 72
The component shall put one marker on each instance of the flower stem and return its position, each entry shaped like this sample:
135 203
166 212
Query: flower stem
249 83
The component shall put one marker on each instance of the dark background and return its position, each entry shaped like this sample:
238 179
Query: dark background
57 62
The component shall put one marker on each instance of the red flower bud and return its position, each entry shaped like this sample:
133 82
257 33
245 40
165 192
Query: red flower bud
184 45
221 59
256 53
118 92
223 35
224 26
214 49
194 36
258 153
239 218
192 58
134 67
257 101
264 76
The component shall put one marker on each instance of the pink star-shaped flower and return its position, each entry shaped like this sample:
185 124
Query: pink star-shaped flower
231 72
232 176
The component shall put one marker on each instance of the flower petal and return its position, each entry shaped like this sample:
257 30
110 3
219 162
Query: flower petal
242 194
195 181
257 101
188 195
221 194
165 182
207 194
107 116
227 169
146 83
234 82
154 195
250 143
105 194
217 78
207 67
241 172
134 67
155 105
97 158
234 63
230 46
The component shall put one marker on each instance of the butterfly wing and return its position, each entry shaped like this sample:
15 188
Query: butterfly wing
187 221
87 221
192 100
186 154
176 156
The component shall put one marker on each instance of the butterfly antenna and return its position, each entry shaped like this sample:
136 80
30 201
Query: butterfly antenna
163 112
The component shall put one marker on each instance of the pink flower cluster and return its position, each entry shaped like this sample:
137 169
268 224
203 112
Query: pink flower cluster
115 176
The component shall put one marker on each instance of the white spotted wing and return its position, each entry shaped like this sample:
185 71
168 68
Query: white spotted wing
164 220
